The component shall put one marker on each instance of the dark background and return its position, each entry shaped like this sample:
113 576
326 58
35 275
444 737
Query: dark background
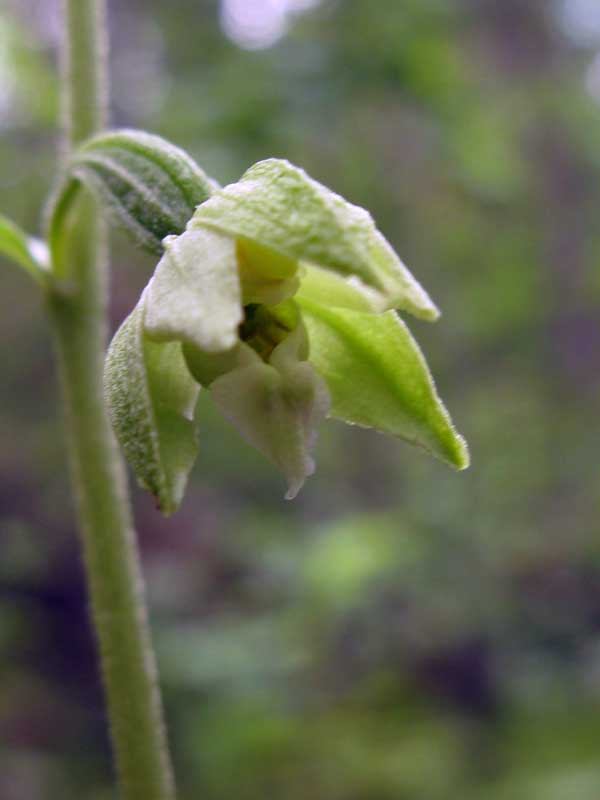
400 631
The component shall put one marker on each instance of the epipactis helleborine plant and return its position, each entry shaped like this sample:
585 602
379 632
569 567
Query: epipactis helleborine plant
273 293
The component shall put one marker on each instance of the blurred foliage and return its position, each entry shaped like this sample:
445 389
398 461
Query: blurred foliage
399 632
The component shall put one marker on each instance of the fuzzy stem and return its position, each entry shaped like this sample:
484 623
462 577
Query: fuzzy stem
79 321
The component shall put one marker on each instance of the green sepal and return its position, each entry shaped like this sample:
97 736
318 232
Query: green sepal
147 186
378 378
24 250
278 206
151 399
194 295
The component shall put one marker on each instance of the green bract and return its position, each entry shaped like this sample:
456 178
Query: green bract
279 298
150 186
146 185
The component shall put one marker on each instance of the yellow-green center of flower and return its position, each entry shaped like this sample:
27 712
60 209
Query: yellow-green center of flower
264 328
266 276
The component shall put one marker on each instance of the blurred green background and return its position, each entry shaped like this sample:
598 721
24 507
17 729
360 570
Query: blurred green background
400 631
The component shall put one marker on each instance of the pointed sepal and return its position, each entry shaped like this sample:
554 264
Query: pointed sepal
378 378
151 399
278 206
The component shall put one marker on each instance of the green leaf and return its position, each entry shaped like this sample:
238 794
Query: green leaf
151 399
195 293
148 186
378 378
278 206
24 250
151 187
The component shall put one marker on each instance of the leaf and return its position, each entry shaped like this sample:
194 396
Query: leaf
24 250
277 407
278 206
148 186
151 399
378 378
195 293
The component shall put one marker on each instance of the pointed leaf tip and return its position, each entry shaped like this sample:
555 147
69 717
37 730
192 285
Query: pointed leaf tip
462 457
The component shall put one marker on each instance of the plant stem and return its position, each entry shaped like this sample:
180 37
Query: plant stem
79 321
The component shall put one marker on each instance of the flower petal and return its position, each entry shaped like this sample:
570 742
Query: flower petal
276 407
378 378
195 293
278 206
266 276
322 286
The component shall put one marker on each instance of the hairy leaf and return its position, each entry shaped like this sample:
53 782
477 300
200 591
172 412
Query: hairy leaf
195 293
148 186
278 206
378 378
24 250
151 187
151 399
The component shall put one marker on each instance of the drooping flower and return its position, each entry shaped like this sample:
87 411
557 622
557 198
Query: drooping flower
281 299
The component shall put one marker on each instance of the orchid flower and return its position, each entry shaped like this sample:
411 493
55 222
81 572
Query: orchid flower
281 299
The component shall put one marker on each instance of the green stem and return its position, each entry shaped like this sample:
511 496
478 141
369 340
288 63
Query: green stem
110 551
84 69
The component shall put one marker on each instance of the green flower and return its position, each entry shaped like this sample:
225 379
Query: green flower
280 298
